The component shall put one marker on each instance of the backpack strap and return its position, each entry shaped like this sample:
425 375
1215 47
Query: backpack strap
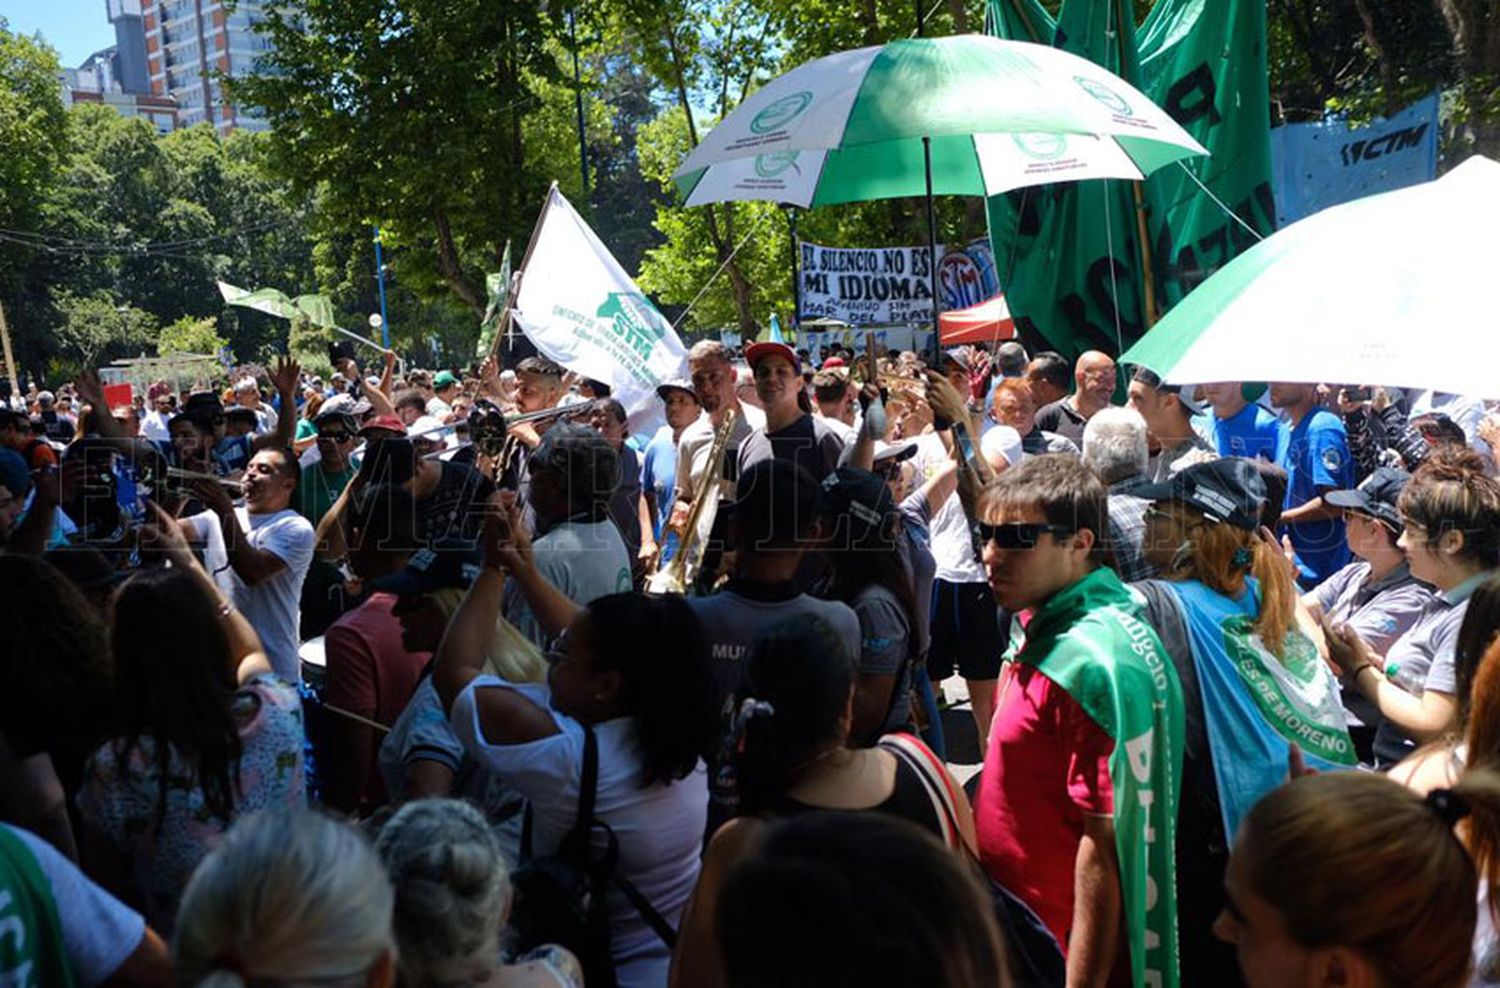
920 759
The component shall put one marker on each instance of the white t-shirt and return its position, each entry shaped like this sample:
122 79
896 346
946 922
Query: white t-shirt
270 606
154 427
99 932
660 828
438 408
951 543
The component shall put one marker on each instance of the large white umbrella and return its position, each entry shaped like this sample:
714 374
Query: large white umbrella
1393 289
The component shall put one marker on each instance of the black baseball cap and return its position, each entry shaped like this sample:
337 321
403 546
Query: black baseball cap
860 503
776 503
1227 490
1376 496
445 565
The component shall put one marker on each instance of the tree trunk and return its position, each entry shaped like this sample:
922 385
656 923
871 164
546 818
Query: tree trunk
1382 61
871 18
449 266
1474 26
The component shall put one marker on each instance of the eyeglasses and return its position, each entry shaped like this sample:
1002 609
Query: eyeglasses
337 437
1019 535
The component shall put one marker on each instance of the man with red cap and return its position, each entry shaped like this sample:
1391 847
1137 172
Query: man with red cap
791 432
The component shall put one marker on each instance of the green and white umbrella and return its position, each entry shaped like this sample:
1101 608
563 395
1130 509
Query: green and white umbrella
997 115
1393 289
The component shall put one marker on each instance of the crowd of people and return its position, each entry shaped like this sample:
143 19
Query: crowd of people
373 681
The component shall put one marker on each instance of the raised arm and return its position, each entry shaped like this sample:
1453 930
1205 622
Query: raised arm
246 657
505 715
379 403
285 377
553 609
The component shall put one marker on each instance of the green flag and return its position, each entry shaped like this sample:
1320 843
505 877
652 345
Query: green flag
1091 640
497 290
1066 252
316 308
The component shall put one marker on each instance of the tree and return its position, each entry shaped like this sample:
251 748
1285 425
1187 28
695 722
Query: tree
410 114
33 127
189 335
96 330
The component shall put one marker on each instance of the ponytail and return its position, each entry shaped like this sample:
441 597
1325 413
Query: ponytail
1355 860
789 708
1278 594
1224 554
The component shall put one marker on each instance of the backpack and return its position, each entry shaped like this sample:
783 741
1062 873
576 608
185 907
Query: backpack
561 897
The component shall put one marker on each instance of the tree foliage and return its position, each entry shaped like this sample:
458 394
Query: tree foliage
189 335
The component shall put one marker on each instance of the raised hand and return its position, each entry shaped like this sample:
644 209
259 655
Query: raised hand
90 389
944 398
286 375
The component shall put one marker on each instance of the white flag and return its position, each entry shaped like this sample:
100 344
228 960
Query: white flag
582 310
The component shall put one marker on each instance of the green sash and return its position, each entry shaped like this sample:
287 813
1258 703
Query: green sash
31 942
1090 639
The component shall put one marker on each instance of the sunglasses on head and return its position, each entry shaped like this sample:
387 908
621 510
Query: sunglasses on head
1019 535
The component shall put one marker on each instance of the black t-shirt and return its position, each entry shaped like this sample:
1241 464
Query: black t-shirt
454 509
807 442
1062 418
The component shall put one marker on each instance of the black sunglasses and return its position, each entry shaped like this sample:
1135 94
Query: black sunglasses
1018 535
338 437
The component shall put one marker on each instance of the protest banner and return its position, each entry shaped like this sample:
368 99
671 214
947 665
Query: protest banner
1327 162
891 286
582 310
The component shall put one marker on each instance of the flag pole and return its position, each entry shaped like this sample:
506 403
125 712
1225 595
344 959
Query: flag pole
514 288
10 357
1143 235
932 278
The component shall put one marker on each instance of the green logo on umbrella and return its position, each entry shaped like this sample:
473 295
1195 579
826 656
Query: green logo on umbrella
773 164
1042 147
780 113
1105 95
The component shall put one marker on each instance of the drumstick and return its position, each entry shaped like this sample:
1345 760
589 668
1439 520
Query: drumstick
357 717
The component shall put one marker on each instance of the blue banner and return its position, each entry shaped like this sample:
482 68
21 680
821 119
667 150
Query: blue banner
1256 705
1316 165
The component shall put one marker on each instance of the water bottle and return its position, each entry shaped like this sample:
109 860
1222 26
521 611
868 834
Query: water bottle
1409 680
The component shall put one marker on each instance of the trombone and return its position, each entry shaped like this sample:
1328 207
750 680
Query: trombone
682 571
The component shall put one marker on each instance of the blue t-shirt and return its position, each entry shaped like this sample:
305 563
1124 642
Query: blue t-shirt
1251 432
1317 458
659 475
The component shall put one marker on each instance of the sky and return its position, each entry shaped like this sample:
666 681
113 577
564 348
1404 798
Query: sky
76 28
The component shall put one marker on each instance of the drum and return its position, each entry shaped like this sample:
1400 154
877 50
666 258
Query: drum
314 662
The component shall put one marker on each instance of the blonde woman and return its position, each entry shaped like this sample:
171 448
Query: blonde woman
421 757
1253 684
288 898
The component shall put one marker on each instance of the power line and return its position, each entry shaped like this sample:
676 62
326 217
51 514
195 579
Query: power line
54 244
